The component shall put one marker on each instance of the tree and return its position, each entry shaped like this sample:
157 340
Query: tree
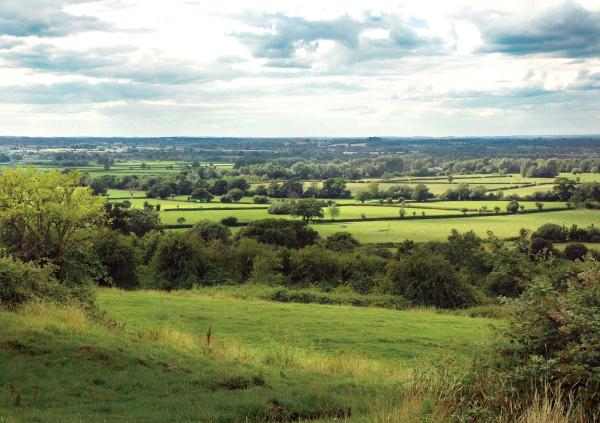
121 217
539 205
178 263
427 279
307 208
121 258
333 211
235 194
47 214
421 193
282 232
211 231
201 194
564 188
402 213
512 207
181 220
363 196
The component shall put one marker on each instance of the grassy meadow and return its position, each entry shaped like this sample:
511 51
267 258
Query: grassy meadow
504 226
155 363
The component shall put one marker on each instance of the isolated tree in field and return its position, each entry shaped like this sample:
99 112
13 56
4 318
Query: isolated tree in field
512 207
450 179
181 220
131 187
539 205
497 210
402 213
333 211
235 194
47 214
564 188
363 196
307 209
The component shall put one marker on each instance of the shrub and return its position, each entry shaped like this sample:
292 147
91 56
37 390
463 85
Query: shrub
552 340
551 232
211 231
575 251
280 207
341 241
427 279
261 199
229 221
21 282
282 232
120 257
178 262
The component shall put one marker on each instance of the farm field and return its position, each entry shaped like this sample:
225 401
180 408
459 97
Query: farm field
398 338
476 205
503 226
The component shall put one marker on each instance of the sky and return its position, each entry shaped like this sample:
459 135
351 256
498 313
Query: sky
287 68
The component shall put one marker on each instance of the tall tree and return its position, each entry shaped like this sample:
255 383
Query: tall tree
47 214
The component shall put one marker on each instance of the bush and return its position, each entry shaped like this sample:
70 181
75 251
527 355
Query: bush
341 241
261 199
550 347
229 221
120 257
211 231
21 282
427 279
280 207
178 262
575 251
551 232
282 232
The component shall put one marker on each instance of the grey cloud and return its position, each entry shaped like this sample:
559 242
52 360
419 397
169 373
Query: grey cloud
112 62
78 92
44 18
565 31
278 37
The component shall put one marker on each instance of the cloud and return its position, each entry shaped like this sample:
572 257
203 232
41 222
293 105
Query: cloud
295 42
119 62
78 92
44 18
568 30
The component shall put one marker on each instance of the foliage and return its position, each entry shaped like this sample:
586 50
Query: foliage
21 282
121 257
211 231
178 262
285 233
46 214
341 241
307 209
427 279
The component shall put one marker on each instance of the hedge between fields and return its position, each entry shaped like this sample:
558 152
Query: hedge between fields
385 219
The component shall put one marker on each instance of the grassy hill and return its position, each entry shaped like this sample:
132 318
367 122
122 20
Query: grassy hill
264 361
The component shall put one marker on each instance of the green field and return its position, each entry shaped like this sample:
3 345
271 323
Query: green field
341 363
476 205
503 226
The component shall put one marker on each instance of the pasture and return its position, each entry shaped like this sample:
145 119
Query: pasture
504 226
156 364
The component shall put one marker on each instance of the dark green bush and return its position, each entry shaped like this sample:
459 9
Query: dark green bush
229 221
428 279
575 251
